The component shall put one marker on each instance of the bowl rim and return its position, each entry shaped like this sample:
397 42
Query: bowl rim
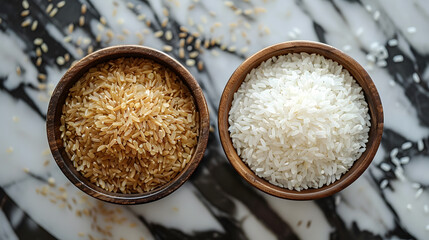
74 73
374 108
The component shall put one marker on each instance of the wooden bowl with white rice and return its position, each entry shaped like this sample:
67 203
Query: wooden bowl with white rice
300 120
128 124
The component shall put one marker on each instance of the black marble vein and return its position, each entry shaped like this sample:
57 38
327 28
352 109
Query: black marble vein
25 227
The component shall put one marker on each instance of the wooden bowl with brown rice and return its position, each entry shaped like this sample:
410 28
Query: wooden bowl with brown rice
127 124
300 120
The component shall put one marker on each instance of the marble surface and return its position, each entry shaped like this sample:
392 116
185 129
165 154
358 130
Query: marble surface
389 38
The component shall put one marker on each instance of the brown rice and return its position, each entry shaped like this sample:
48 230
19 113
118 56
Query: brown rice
129 125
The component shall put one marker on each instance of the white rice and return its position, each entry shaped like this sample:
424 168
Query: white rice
299 121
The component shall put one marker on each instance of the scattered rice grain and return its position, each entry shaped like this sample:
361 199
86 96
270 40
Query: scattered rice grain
384 183
398 58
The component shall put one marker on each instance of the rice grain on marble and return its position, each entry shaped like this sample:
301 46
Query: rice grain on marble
129 125
299 121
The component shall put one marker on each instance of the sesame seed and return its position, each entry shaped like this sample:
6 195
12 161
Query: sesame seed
121 21
168 35
90 49
183 29
38 41
25 13
61 4
26 170
81 21
167 48
60 60
49 7
34 25
83 9
398 58
81 234
18 71
420 145
183 34
416 185
406 145
182 42
141 17
190 62
15 119
44 47
26 23
25 4
416 78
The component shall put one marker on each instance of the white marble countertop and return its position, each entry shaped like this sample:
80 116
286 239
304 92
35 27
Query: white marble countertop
388 38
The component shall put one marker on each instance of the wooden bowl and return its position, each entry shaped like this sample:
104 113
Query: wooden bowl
356 70
55 111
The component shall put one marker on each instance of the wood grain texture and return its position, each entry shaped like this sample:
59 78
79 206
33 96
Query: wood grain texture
356 70
73 75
